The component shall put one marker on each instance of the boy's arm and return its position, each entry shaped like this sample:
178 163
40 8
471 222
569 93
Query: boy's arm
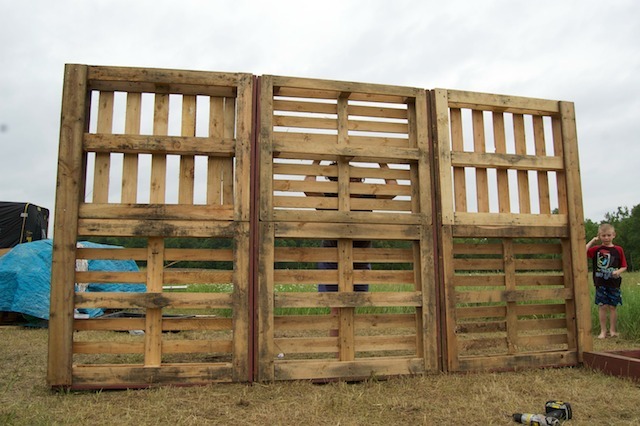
619 271
623 264
590 243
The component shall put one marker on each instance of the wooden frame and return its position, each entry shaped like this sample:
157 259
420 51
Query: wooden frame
93 151
509 274
471 202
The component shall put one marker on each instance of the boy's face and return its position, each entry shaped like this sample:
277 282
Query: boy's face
607 237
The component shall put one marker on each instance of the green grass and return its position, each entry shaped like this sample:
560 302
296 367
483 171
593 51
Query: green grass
629 312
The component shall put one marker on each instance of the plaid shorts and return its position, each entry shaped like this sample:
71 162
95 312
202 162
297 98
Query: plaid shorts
611 296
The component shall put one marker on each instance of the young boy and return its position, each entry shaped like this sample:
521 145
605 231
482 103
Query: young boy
608 263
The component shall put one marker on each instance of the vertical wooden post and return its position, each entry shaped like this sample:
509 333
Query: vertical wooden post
158 181
266 301
576 228
346 315
103 159
524 196
510 286
68 195
187 162
130 162
153 316
504 202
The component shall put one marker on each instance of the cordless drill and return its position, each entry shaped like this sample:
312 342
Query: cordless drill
558 409
555 411
535 419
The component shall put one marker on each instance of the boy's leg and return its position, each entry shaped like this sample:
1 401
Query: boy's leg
602 315
613 319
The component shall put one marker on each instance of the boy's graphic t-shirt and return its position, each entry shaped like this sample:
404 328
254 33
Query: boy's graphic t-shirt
605 261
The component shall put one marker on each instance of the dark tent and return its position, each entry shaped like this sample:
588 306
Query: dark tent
22 223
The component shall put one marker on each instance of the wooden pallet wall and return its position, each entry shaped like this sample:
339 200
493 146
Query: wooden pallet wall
156 156
512 235
345 162
461 212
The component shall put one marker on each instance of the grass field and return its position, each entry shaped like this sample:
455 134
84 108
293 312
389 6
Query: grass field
448 399
443 399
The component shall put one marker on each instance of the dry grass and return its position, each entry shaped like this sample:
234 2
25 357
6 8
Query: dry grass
450 399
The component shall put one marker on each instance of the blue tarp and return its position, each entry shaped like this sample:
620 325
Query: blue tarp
25 278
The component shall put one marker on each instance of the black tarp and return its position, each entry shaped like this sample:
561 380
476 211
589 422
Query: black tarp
22 223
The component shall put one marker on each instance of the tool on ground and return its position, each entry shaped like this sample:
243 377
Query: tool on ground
535 419
558 409
554 413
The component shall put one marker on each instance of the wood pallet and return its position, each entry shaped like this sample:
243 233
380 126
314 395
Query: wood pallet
471 203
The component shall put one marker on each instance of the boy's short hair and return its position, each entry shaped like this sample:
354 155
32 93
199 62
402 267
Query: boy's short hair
606 227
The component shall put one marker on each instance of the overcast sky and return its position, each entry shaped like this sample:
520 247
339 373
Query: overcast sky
586 51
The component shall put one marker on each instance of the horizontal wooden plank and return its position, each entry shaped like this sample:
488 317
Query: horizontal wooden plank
498 279
284 148
116 253
490 296
356 231
112 300
156 228
356 189
391 366
502 103
516 223
362 205
104 323
327 216
331 108
286 323
331 123
487 264
324 254
155 144
331 276
110 277
300 345
482 160
155 211
347 299
160 80
517 248
302 169
163 88
519 361
495 225
132 376
283 86
356 140
168 323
